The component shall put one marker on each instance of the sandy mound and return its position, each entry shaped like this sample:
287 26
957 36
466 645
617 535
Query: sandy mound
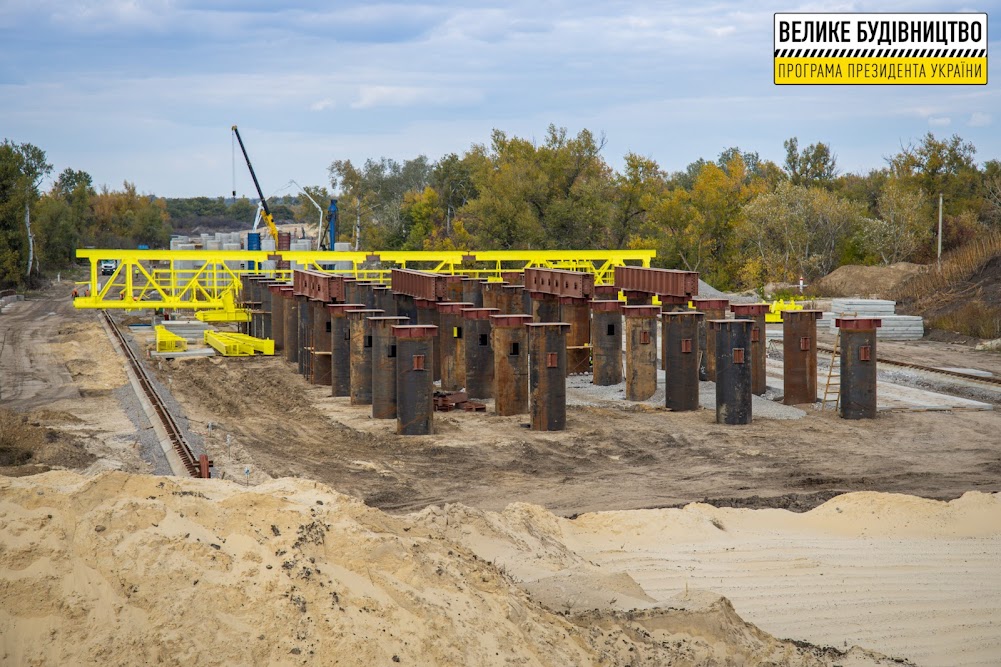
853 280
123 569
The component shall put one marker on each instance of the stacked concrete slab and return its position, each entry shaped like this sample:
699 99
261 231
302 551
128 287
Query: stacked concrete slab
895 327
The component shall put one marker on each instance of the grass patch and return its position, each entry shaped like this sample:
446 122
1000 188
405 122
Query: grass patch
974 318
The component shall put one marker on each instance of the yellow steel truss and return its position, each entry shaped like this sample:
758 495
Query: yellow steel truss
210 279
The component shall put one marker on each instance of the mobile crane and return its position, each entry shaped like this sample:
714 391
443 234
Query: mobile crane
266 215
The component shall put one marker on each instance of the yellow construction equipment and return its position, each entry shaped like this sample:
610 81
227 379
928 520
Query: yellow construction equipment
168 341
211 279
774 313
238 345
265 211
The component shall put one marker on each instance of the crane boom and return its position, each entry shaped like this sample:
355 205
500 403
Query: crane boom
266 216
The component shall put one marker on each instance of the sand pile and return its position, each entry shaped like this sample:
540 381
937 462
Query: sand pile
124 569
852 280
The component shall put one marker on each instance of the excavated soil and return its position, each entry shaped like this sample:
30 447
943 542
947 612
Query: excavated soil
623 457
871 282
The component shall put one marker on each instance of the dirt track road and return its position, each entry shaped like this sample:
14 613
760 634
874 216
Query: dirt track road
31 374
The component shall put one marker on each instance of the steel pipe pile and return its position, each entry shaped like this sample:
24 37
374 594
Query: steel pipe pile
510 345
857 398
733 378
641 351
414 388
547 348
681 358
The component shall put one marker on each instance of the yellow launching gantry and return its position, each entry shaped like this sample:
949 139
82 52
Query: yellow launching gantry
209 281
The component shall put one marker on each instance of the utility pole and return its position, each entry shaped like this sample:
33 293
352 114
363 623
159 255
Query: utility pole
358 224
940 232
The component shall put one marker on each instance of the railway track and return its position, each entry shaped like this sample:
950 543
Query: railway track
196 466
996 381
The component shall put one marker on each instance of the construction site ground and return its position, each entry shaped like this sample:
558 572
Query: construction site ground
259 415
186 566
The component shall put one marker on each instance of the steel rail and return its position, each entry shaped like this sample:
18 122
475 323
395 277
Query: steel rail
927 369
196 466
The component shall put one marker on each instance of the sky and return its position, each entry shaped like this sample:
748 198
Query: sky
147 90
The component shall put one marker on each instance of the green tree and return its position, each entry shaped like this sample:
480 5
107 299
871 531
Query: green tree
797 231
814 165
22 167
901 227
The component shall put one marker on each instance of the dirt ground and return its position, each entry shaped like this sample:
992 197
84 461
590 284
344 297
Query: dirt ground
59 371
622 457
258 416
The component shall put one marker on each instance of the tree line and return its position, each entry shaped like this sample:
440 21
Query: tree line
739 220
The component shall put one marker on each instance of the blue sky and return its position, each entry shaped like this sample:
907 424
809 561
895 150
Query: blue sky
146 90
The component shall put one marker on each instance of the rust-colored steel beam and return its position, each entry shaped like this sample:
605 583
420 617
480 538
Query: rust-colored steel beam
510 345
414 387
547 349
277 315
799 356
419 284
317 285
657 281
857 399
560 283
755 312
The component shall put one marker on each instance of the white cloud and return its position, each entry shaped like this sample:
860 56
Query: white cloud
722 31
940 121
370 97
322 105
979 119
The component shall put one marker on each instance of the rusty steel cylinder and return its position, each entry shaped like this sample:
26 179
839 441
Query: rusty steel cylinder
606 343
406 306
384 365
799 356
472 292
733 370
756 313
270 299
681 356
857 399
493 295
305 334
545 307
291 327
547 349
453 358
427 314
478 352
320 319
361 355
340 347
641 351
510 345
278 317
414 388
669 304
512 300
384 300
577 314
713 309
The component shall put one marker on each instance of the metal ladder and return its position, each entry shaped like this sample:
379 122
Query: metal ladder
832 390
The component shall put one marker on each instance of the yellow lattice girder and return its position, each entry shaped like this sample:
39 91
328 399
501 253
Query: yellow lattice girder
168 341
210 279
238 345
